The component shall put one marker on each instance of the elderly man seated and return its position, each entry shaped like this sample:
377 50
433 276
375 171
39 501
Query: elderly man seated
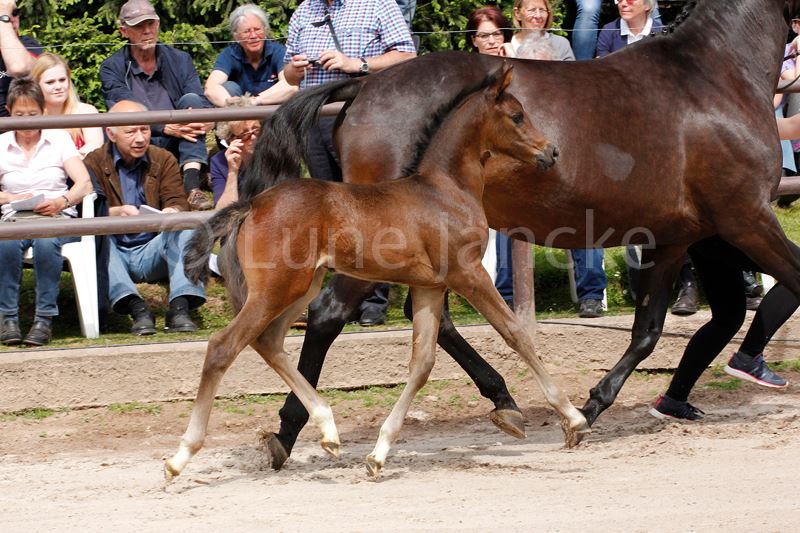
135 174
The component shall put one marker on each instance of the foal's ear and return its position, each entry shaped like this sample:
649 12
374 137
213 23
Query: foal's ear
502 80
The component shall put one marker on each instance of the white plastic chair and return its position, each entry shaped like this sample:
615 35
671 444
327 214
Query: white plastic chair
81 258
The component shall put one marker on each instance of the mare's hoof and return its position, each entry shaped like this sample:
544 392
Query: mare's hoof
574 435
331 447
277 453
170 472
373 467
509 421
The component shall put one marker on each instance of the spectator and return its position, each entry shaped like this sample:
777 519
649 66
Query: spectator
584 32
314 56
635 22
159 77
534 17
53 75
226 167
35 162
16 53
253 64
134 174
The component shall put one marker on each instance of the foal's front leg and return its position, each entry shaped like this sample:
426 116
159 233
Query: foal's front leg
427 309
474 284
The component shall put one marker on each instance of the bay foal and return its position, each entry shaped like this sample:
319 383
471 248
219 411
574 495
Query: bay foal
427 231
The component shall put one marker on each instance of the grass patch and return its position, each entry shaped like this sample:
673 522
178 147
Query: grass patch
153 409
728 384
786 366
35 413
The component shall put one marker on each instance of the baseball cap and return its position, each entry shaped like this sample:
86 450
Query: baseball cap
135 11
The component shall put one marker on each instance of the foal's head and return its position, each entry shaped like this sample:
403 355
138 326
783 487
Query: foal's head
506 130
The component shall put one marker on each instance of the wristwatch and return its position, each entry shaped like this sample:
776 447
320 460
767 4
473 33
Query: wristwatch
364 68
5 18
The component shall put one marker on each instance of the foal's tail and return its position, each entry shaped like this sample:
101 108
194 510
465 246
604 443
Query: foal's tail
225 222
282 145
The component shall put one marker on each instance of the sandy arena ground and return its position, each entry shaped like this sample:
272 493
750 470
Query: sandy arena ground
100 468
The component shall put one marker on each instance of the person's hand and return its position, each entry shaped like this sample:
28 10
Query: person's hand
170 210
14 197
231 100
7 6
233 155
335 60
189 132
299 65
123 211
50 207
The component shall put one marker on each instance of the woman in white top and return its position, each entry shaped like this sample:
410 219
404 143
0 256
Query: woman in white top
54 77
534 17
35 164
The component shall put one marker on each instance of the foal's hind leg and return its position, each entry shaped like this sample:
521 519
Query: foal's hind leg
506 415
270 346
427 308
223 348
476 286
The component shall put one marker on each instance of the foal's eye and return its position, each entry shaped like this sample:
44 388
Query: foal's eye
518 118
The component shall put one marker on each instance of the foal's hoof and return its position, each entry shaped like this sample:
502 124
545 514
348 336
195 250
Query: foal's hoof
170 472
331 447
509 421
277 453
374 467
574 434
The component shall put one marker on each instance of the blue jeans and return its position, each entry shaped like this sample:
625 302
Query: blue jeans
47 263
504 282
233 88
157 260
590 278
185 151
407 7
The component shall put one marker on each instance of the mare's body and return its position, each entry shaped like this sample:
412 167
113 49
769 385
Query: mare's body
684 148
288 236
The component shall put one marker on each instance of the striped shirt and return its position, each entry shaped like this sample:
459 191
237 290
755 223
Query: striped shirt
365 28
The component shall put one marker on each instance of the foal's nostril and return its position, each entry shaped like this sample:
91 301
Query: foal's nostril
554 151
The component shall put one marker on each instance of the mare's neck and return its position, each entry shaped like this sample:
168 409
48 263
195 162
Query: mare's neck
735 41
455 150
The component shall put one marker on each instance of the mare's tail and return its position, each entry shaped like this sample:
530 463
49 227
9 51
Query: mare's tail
225 222
282 145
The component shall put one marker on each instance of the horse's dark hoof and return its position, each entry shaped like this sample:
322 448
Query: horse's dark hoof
509 421
277 453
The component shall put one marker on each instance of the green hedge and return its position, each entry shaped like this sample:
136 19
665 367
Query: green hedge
86 33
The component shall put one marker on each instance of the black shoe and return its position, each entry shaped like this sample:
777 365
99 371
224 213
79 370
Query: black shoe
591 309
10 334
143 322
687 302
39 335
755 370
668 409
372 317
178 321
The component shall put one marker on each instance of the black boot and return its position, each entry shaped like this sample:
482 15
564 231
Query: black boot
178 319
143 320
688 299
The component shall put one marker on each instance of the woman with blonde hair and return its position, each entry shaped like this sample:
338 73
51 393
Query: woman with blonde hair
54 77
534 17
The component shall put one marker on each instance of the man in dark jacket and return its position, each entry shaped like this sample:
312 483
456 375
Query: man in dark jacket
136 176
159 77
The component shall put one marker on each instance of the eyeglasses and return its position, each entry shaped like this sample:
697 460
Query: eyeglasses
258 32
532 12
16 12
629 2
255 132
482 36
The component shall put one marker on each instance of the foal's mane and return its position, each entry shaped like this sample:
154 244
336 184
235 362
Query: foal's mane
437 118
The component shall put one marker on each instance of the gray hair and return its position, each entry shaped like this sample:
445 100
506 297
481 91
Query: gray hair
241 12
651 4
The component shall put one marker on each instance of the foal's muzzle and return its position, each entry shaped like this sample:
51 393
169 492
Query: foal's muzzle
547 156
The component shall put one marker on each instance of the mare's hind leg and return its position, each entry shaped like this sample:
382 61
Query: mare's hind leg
427 309
506 415
651 309
223 348
270 346
328 314
476 286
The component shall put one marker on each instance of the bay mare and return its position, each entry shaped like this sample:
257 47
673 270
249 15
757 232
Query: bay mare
427 231
673 138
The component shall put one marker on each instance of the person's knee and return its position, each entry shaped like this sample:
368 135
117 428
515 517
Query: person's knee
589 8
193 100
233 88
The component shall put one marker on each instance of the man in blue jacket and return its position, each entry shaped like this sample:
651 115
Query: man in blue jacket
159 77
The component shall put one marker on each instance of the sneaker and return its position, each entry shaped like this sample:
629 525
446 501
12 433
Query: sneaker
199 201
687 302
757 371
10 335
668 409
39 335
591 309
